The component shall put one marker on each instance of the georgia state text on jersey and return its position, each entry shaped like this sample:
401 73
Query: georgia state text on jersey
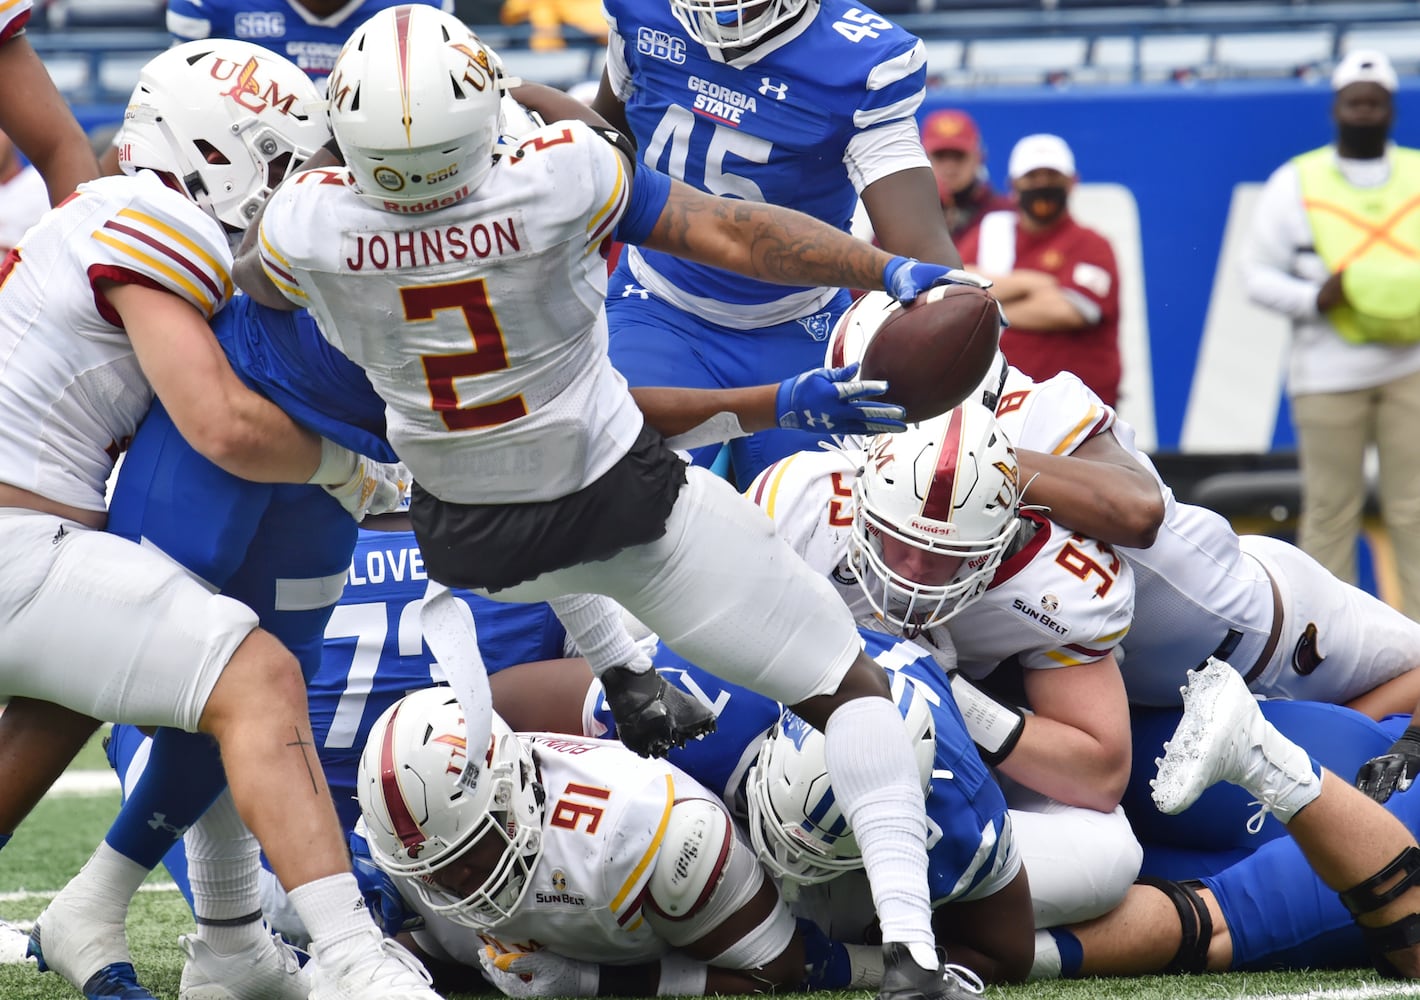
603 823
75 390
285 26
784 123
1058 600
535 411
970 852
14 15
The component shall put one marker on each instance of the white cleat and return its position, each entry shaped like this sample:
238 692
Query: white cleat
269 969
1223 736
14 943
384 972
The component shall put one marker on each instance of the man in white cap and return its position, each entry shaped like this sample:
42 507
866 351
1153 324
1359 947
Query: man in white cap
1056 279
1336 249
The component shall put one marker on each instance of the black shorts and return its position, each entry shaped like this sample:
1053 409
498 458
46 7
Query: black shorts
494 546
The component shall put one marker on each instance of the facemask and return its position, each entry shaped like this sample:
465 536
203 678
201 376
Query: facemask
1043 204
1362 142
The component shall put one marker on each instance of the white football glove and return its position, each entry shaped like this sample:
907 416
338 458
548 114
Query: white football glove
362 485
538 973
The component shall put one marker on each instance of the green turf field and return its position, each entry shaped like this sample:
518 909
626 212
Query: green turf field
54 842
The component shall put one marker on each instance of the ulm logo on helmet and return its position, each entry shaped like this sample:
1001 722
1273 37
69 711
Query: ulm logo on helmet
250 92
480 74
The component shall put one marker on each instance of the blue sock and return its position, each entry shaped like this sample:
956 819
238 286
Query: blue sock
826 965
5 838
182 778
1072 956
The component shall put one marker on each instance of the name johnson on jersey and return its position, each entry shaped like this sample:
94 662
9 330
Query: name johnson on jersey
396 249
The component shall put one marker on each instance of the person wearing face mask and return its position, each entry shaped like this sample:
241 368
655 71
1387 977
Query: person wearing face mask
1335 247
1056 279
953 144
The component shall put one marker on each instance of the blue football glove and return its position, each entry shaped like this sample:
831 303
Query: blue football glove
832 401
905 278
382 897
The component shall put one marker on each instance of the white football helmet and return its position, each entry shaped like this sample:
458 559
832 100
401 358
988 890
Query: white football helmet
422 818
224 120
856 328
734 24
415 105
795 823
948 487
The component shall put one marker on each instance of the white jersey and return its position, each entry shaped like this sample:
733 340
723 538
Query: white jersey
602 832
1057 601
491 352
73 392
1192 587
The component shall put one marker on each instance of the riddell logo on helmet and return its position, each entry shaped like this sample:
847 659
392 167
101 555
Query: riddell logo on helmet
432 205
933 528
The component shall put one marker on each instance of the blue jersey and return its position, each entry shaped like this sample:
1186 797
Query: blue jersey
375 652
283 26
281 549
966 812
772 126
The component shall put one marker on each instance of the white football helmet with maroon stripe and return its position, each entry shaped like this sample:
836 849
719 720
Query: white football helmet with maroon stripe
416 107
422 818
934 512
226 120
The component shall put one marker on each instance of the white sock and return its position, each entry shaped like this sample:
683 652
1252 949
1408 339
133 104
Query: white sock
875 779
1047 957
334 912
594 622
106 884
223 866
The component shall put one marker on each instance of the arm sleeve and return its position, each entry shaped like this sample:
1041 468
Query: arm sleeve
649 192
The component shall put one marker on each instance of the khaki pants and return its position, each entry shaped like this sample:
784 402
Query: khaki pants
1333 431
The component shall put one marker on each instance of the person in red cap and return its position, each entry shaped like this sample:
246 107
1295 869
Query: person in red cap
953 143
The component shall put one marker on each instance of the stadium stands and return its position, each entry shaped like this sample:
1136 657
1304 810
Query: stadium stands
971 43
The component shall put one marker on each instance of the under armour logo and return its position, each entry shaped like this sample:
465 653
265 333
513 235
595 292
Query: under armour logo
635 290
819 422
768 88
159 822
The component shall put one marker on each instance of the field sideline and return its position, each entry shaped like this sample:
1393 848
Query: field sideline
54 842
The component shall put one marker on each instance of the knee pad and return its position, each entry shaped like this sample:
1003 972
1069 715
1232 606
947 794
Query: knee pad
1192 954
1367 898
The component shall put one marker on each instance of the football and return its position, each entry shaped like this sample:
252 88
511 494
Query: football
934 352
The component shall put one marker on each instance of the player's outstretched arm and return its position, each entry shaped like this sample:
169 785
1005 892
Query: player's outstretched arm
1099 490
36 117
779 245
824 400
906 213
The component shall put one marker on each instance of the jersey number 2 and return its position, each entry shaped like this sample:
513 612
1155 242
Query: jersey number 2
489 354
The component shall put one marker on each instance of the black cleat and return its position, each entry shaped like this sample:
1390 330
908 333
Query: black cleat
652 717
904 979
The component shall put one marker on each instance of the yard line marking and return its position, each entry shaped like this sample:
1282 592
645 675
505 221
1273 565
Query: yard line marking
85 783
1373 992
11 897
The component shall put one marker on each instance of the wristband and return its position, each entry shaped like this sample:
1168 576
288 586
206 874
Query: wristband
994 727
337 464
681 977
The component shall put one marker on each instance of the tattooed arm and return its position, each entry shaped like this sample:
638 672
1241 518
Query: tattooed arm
763 241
